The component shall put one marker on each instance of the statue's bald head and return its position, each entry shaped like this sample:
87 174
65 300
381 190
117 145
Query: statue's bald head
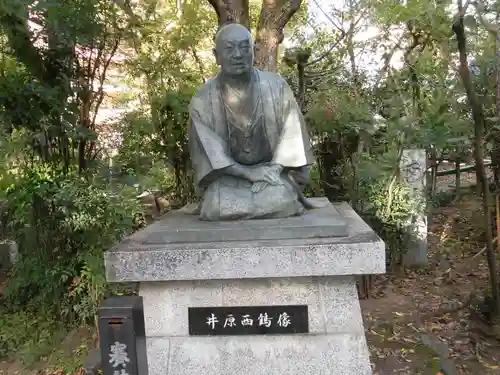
234 49
231 31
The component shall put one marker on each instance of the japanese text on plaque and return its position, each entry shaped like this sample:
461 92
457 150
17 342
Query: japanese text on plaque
229 321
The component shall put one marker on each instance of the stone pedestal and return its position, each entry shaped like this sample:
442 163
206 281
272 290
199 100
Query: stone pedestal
279 264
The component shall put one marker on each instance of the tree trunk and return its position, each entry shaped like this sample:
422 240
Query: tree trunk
231 11
274 15
479 129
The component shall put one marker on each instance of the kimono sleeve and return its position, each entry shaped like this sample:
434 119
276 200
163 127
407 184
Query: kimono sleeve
209 153
294 146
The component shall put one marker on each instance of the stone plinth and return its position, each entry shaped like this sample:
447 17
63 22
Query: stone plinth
265 268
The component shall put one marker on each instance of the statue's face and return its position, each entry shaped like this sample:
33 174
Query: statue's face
234 50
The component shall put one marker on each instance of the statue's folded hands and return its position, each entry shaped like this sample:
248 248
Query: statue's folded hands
269 174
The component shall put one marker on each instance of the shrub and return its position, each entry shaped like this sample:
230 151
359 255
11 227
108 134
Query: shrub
388 205
63 223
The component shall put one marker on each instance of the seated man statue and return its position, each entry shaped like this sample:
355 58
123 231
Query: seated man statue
247 138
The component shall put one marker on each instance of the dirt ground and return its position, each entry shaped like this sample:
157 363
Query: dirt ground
420 322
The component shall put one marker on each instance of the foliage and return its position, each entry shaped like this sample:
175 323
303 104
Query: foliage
62 227
136 153
55 92
394 223
29 334
154 153
64 203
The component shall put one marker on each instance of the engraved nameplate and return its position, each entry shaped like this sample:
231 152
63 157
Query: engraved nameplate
251 320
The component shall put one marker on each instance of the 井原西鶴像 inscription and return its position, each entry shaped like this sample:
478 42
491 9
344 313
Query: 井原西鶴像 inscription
251 320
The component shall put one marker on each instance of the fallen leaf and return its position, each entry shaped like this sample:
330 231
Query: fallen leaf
491 367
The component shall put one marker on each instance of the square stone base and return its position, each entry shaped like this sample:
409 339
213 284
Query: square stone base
309 260
154 254
334 345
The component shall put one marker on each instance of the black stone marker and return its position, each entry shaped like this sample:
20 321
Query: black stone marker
251 320
122 336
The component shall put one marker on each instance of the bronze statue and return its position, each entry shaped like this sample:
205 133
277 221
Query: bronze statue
247 138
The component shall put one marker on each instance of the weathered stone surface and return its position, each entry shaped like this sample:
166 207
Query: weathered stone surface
9 252
176 274
443 351
342 354
332 301
150 255
178 227
413 167
334 345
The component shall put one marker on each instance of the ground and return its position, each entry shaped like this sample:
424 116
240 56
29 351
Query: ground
417 321
420 321
65 359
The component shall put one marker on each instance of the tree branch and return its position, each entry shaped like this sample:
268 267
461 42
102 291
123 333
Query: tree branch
325 54
198 62
489 26
273 17
231 11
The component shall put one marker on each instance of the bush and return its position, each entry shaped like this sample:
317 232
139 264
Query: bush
388 205
63 223
140 159
137 152
28 334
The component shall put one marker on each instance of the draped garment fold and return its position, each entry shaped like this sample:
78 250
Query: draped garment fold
278 135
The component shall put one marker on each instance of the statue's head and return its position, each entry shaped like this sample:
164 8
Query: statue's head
234 50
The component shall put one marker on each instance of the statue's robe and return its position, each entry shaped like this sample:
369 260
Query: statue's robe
275 134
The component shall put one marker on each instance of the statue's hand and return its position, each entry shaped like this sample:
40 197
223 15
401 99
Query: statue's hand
267 174
258 186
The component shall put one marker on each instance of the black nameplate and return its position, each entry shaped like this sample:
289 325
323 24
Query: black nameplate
251 320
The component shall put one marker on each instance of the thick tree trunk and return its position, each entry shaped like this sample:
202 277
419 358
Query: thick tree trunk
231 11
274 15
479 130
